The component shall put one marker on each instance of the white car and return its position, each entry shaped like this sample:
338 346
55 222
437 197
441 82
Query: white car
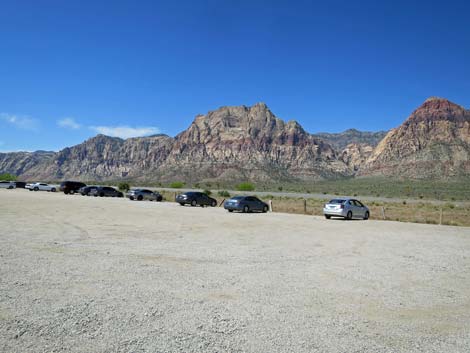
41 187
7 185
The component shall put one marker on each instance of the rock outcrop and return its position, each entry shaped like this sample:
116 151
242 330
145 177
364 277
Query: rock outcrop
434 142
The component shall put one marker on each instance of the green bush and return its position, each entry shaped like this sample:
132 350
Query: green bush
224 193
245 187
177 185
207 192
7 177
124 186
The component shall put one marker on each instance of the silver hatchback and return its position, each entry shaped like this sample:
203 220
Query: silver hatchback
346 208
144 194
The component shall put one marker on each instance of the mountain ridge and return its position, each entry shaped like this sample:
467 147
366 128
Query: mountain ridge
251 143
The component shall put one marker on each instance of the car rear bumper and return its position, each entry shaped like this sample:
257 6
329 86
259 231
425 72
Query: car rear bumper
338 213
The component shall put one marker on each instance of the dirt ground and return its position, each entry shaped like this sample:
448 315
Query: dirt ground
85 274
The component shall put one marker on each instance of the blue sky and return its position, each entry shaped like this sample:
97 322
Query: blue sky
71 69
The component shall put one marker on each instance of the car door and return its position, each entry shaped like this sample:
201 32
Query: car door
361 210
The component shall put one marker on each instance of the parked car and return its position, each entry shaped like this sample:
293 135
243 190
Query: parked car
194 198
85 190
144 194
346 208
20 184
107 191
70 187
42 187
246 204
7 185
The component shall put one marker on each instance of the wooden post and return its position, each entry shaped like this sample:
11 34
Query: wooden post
440 217
305 206
220 205
383 212
270 205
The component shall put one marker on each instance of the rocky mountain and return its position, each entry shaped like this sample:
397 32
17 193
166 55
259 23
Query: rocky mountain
351 136
250 143
231 143
20 163
434 142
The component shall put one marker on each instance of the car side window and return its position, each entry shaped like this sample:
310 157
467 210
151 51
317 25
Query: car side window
359 203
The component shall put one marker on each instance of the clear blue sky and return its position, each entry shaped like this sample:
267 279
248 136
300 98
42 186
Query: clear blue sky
70 69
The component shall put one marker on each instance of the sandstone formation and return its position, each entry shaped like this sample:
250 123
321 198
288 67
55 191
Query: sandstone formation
434 142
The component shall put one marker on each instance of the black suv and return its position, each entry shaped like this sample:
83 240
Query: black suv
105 191
70 187
195 199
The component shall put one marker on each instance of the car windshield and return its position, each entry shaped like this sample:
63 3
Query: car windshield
337 201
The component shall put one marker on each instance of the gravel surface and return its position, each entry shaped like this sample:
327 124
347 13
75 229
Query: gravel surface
84 274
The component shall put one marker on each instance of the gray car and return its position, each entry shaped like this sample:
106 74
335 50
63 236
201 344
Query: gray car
144 194
246 204
7 185
346 208
105 191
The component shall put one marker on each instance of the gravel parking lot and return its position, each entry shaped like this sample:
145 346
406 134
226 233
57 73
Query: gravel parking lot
84 274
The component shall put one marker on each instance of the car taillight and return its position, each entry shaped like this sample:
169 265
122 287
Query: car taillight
342 206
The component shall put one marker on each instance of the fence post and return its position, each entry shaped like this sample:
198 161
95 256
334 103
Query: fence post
305 206
222 203
383 212
270 205
440 217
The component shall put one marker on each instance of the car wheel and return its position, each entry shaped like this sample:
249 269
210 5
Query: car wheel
140 198
66 192
213 203
265 209
53 190
230 211
159 199
131 198
246 209
30 189
193 203
101 194
349 215
72 192
120 194
182 203
327 216
36 189
366 216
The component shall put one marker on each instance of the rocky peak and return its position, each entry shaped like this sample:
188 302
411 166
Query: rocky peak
436 109
239 123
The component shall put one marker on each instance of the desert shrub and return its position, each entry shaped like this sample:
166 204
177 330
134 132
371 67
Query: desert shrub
207 192
124 186
245 187
176 185
280 188
404 202
7 177
224 193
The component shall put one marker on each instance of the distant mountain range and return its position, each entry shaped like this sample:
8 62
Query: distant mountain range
250 143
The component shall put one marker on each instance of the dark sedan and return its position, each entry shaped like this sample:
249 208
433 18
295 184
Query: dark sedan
107 191
246 204
195 199
85 191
